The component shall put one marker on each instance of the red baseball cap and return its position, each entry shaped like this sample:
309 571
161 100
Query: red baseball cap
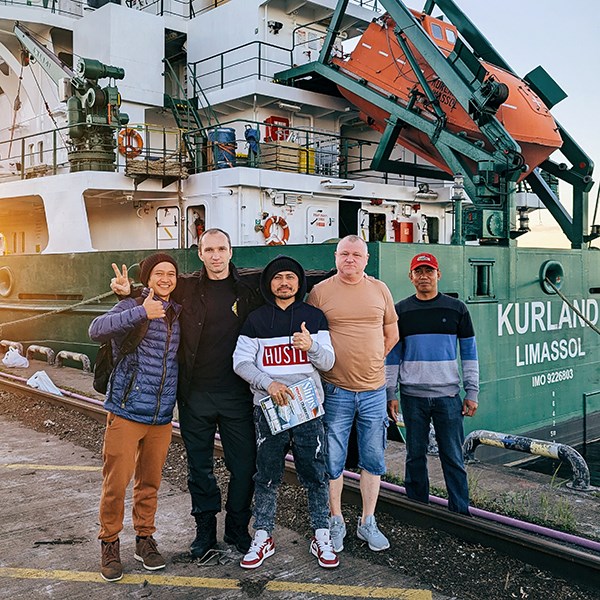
424 259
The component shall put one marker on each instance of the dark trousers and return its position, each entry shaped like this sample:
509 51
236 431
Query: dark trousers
307 443
445 413
199 417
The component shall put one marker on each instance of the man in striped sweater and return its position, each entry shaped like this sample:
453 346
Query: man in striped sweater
424 364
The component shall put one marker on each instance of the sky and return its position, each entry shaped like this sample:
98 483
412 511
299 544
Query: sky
563 37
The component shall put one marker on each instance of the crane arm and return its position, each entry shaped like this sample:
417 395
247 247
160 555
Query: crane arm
45 58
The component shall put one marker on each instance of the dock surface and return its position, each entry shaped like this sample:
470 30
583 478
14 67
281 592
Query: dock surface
49 492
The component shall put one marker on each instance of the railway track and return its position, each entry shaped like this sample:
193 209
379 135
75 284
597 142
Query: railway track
563 560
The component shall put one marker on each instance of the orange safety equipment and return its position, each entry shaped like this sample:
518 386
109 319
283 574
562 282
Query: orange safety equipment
130 143
272 239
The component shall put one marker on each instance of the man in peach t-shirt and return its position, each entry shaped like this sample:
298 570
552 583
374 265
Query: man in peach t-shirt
362 324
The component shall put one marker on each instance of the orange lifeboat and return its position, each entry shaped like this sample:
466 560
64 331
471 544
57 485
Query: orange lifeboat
380 61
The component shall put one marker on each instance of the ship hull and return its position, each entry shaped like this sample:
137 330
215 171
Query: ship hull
540 364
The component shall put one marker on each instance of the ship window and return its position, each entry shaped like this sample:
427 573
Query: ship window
40 152
196 224
436 31
377 227
451 36
30 155
433 230
483 282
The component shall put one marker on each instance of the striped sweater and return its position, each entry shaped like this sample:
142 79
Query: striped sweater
424 362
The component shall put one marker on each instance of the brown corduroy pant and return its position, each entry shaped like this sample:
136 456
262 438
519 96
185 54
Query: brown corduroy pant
135 450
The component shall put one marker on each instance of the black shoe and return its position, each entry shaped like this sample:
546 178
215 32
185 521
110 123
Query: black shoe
206 534
242 541
237 535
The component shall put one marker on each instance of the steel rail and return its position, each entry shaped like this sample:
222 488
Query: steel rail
559 559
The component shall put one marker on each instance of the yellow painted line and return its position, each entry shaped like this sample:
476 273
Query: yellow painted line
50 467
348 591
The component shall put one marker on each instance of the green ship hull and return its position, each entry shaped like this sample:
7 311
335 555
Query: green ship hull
539 360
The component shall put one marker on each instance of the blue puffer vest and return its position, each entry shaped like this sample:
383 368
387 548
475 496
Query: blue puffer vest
143 386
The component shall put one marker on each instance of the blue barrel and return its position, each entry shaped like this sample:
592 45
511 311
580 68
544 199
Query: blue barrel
223 147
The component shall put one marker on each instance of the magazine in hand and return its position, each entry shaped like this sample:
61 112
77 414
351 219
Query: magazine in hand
304 406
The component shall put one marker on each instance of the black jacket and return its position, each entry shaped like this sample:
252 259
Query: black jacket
190 294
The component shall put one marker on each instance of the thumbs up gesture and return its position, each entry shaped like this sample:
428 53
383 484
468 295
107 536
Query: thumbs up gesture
154 308
302 339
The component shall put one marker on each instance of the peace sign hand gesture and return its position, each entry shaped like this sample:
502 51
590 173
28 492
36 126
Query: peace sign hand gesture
120 284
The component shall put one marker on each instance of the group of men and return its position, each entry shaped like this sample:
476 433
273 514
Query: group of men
238 330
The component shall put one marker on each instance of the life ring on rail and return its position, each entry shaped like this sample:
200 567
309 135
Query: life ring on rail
130 143
274 240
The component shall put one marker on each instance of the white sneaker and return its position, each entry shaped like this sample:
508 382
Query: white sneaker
322 548
262 547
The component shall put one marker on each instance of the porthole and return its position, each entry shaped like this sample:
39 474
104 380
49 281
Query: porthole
6 281
552 276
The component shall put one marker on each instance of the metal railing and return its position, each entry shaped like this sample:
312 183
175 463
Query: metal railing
46 152
68 8
187 9
163 153
579 468
298 150
253 60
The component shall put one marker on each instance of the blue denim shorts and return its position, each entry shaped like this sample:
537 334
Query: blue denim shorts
370 409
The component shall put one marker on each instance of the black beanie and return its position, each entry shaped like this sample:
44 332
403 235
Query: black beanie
151 261
282 263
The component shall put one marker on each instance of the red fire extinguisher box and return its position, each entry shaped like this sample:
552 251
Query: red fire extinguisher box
277 129
403 231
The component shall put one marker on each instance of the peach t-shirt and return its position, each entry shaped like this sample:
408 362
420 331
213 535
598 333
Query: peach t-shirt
356 314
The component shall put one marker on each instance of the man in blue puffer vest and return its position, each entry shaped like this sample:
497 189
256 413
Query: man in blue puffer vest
140 399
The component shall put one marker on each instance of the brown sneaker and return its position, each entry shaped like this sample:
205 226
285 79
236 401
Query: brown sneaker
146 551
112 569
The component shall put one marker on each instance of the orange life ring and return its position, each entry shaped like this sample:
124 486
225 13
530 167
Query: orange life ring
130 143
274 240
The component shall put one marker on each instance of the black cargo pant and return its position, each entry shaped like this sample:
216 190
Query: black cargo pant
199 417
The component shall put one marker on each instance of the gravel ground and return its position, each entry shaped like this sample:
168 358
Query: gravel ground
439 561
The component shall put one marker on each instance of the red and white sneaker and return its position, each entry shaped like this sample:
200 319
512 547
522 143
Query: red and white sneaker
322 548
262 547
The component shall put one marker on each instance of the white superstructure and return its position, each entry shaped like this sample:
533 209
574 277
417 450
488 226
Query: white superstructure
307 181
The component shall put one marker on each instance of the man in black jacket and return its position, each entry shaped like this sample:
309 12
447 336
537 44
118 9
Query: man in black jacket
215 303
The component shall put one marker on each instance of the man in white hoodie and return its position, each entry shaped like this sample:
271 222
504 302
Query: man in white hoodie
280 344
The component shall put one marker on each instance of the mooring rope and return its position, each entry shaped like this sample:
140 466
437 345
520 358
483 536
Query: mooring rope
56 311
573 308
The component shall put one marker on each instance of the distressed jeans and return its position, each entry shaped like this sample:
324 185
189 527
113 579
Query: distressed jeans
446 414
307 443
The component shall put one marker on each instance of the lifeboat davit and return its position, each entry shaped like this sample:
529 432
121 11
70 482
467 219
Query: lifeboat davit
380 61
